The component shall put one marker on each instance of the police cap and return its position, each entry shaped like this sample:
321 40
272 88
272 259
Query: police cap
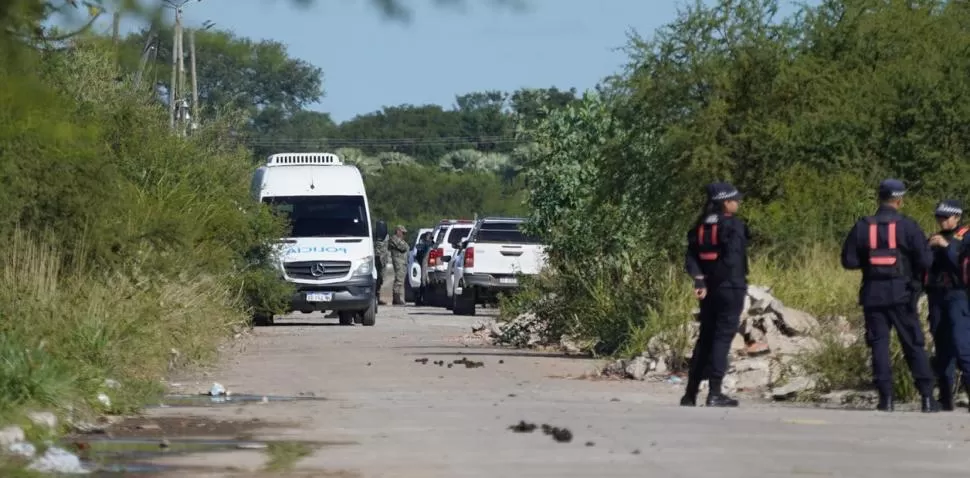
717 192
891 189
948 208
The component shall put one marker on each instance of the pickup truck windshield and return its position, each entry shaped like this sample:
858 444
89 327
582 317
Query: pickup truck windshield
322 216
503 232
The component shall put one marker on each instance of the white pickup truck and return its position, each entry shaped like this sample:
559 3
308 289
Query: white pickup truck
447 235
491 261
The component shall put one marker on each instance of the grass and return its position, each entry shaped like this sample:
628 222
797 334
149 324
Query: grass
632 312
812 280
284 455
64 330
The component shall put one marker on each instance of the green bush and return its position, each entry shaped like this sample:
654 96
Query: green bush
129 251
804 114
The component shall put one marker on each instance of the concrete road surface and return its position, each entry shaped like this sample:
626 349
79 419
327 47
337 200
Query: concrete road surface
401 418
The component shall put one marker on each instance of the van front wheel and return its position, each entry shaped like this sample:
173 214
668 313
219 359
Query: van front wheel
369 316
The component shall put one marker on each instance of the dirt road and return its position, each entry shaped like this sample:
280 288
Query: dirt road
402 418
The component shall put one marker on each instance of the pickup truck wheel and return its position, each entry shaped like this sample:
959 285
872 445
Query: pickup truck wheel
346 318
369 316
464 303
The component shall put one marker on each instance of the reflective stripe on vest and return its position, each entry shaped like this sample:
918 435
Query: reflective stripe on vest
874 244
708 255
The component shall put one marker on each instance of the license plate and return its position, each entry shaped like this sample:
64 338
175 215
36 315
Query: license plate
319 296
508 280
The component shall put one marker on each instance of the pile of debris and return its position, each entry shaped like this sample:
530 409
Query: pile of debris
526 330
769 337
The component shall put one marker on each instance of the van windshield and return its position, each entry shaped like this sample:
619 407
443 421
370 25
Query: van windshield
323 216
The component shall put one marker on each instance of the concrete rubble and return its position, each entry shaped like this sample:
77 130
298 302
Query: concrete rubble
525 330
769 336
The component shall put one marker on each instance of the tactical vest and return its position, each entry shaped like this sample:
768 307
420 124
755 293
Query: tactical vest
885 260
709 249
938 277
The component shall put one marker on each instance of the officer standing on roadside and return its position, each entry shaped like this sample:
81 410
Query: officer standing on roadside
717 261
893 254
946 289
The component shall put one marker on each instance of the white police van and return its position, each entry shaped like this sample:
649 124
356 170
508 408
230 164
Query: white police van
329 253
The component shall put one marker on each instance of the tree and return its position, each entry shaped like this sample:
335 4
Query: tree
303 131
237 72
484 119
424 132
529 104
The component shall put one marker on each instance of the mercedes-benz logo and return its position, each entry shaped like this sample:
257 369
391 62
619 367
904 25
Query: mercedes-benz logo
318 269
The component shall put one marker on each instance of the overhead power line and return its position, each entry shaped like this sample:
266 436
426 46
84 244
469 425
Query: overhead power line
444 141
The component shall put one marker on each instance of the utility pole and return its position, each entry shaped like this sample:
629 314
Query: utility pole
177 93
195 80
181 87
150 48
172 87
115 27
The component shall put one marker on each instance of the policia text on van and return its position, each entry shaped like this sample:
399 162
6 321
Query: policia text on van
329 253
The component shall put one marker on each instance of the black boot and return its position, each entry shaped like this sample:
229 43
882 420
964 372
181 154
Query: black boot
885 402
690 394
946 396
718 399
929 405
721 400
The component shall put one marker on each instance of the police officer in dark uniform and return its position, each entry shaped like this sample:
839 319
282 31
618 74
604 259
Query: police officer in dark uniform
717 261
893 254
946 289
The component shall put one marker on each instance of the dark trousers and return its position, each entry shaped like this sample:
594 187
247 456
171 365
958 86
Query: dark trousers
905 320
950 325
720 317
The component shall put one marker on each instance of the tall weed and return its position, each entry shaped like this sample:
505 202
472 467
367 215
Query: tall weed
65 329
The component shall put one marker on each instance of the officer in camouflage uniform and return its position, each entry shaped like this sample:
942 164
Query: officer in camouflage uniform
399 258
381 256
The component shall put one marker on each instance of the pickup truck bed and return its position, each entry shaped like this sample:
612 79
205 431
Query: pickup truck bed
496 255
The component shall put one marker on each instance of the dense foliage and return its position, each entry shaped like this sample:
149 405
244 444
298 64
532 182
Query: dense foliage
805 114
127 250
131 250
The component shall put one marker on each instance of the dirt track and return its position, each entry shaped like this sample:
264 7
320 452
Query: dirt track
403 418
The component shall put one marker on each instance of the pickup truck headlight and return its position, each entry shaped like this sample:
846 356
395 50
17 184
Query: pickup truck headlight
366 266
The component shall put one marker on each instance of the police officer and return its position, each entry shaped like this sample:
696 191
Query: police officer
947 293
717 261
893 254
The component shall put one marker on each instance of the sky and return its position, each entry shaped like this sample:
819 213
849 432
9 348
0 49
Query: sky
370 62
